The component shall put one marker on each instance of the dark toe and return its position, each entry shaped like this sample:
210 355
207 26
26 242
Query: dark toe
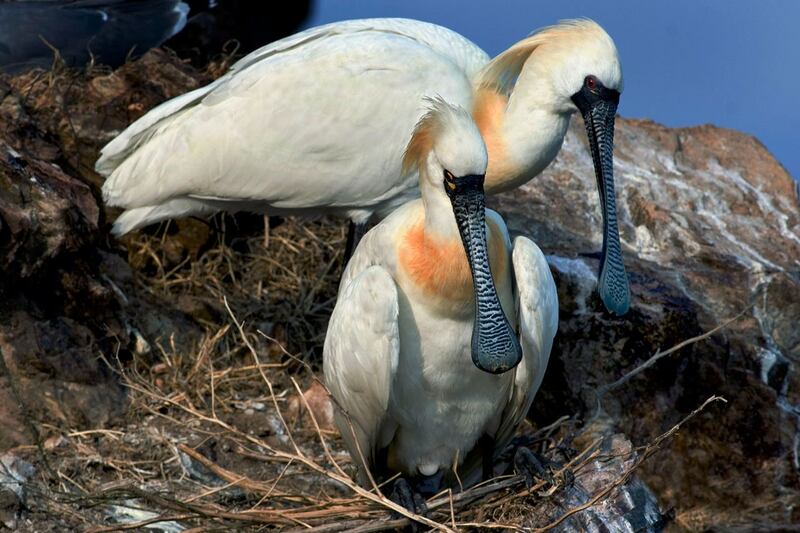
404 495
569 478
530 467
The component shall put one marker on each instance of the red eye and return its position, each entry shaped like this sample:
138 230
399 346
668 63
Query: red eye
591 82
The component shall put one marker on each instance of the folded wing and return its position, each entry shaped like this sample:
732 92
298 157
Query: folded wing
537 312
360 358
319 119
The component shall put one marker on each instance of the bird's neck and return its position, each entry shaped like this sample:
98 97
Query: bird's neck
440 222
522 133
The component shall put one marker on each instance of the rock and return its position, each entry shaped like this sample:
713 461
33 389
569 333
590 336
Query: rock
631 506
134 511
57 374
45 213
14 475
49 292
710 225
65 297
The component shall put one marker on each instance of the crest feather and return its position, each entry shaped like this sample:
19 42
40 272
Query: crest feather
501 73
435 120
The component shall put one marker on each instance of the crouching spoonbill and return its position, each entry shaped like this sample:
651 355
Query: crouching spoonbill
317 123
435 312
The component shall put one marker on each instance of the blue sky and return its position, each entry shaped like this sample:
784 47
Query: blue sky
732 63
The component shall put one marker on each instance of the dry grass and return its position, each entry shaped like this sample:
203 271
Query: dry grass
287 288
209 441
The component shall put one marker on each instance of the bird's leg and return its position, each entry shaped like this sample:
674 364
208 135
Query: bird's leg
354 233
530 467
266 231
404 495
486 445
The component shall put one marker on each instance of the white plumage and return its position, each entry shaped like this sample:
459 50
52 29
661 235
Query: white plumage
397 352
318 122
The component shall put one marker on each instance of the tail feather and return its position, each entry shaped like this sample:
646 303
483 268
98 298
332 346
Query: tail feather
124 144
139 217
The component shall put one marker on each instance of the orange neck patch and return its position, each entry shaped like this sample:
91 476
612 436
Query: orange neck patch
488 113
440 268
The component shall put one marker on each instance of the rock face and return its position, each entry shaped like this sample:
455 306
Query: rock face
62 292
710 226
49 226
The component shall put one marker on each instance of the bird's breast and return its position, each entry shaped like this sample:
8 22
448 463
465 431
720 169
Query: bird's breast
438 268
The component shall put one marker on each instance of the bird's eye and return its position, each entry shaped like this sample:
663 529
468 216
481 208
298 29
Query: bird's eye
590 82
448 175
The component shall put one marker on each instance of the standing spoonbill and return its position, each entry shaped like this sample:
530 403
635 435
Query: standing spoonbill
317 123
420 351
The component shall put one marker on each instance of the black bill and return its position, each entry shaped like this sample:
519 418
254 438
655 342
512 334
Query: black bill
598 107
495 348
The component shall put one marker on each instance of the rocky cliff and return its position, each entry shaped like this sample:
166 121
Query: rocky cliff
710 227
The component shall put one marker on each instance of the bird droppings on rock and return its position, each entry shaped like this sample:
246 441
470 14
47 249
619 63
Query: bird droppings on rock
582 279
133 512
14 475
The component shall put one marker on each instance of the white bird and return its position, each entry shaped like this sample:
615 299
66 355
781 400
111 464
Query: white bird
423 341
317 123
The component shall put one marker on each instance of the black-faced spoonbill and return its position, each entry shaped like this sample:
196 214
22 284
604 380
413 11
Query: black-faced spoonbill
424 345
317 122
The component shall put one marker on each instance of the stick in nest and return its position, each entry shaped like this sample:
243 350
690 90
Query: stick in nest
366 510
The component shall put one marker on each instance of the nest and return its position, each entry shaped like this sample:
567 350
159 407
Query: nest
234 430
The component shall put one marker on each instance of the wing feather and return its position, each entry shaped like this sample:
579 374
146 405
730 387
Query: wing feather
537 312
360 359
298 111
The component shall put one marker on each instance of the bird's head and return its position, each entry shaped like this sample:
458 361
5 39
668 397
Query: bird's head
449 151
574 66
582 60
445 142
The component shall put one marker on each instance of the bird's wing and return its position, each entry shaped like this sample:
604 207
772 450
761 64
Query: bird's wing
537 313
316 119
360 358
463 52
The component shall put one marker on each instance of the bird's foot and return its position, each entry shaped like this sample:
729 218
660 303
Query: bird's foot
531 467
427 486
403 494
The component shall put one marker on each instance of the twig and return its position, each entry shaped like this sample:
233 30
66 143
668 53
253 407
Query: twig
143 523
253 352
318 430
601 391
242 482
